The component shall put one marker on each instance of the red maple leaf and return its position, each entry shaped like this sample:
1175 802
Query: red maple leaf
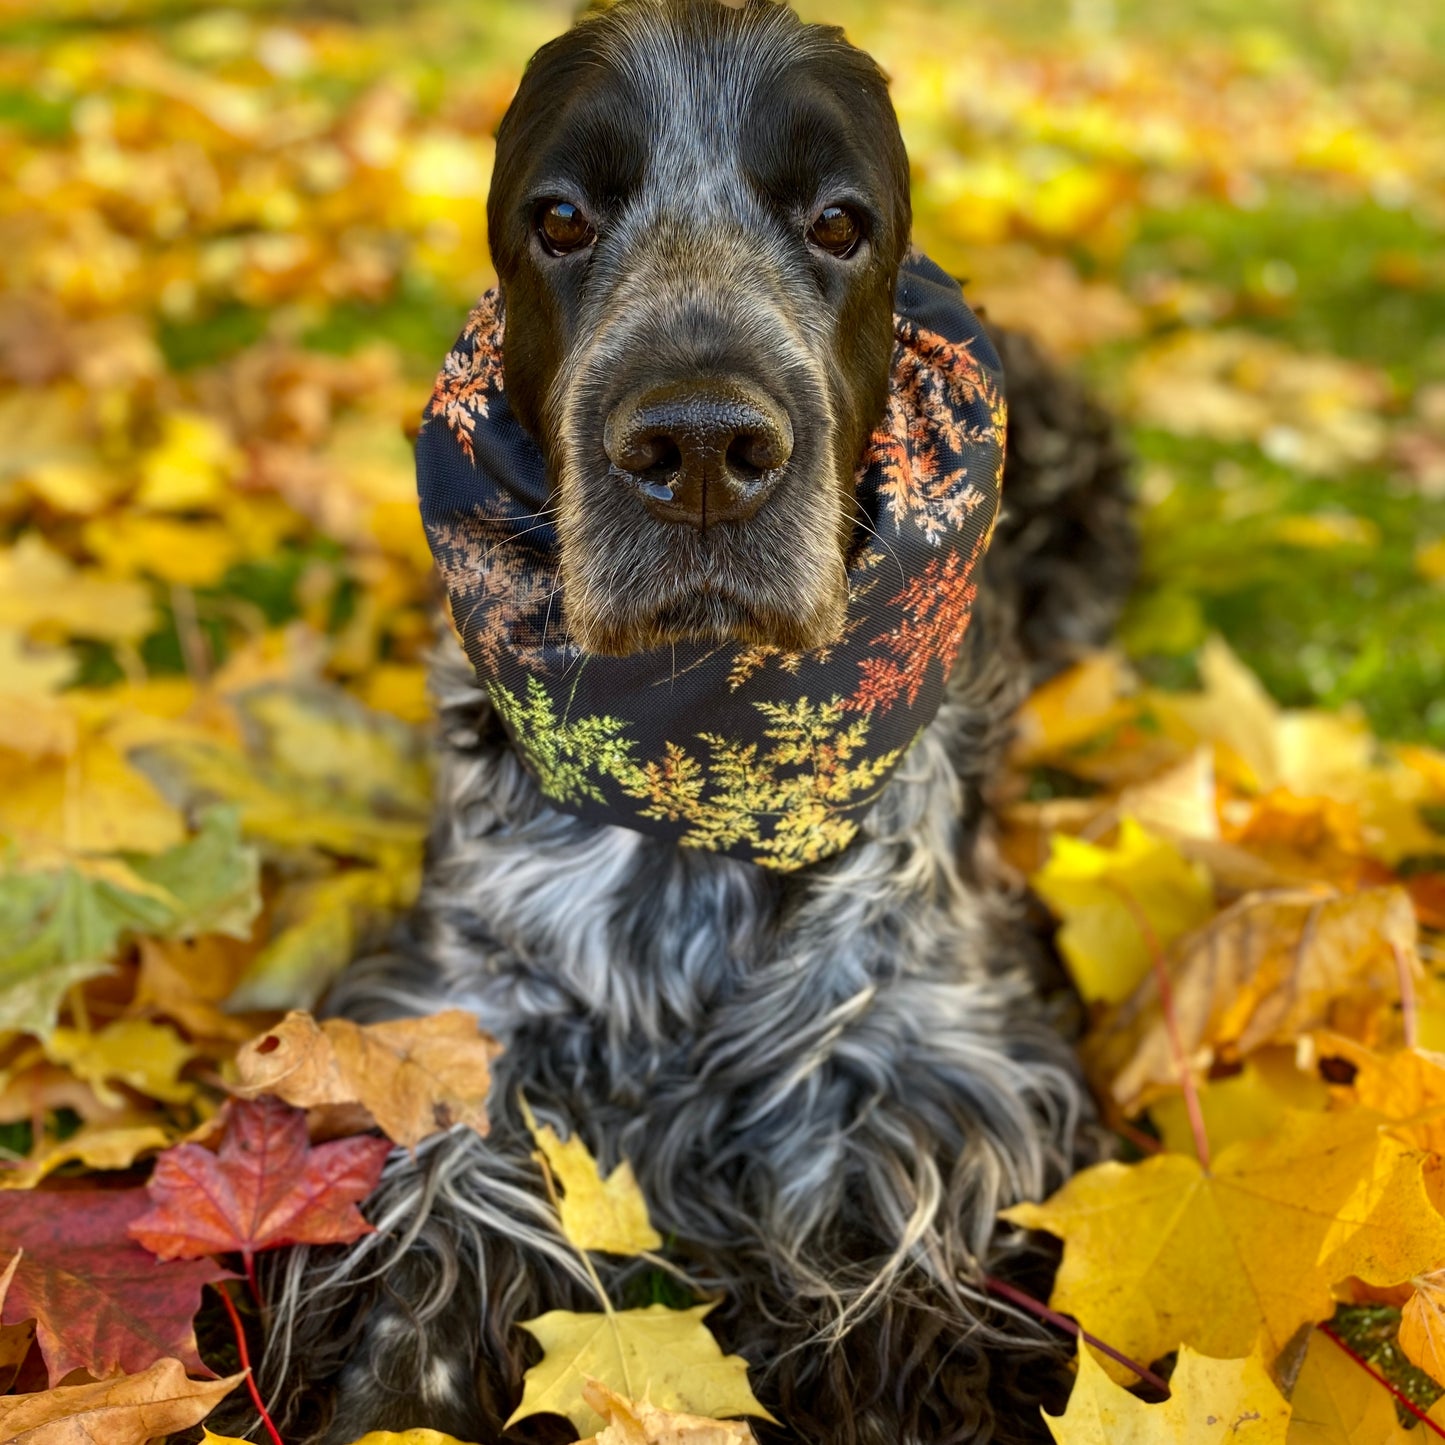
264 1188
99 1301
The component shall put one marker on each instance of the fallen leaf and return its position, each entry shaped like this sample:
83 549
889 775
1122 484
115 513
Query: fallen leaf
1266 970
131 1410
190 465
1407 1086
1314 412
632 1423
265 1187
60 927
97 1147
88 801
100 1302
1099 894
1162 1253
1306 840
1073 708
1211 1402
188 979
1313 755
1335 1402
146 1057
1180 802
667 1357
1248 1105
416 1077
30 672
320 771
318 927
42 593
1422 1324
606 1214
190 554
15 1340
399 1437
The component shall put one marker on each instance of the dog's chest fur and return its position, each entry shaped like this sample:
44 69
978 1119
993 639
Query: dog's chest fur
708 1020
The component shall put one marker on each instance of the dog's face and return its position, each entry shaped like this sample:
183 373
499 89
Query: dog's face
697 216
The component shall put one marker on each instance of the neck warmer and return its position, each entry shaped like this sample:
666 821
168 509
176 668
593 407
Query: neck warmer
768 756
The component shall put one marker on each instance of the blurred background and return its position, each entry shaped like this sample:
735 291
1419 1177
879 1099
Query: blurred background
235 243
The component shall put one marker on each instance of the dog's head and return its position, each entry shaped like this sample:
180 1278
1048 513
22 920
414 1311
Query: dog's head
697 215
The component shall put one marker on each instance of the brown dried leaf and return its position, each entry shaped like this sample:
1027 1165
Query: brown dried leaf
631 1423
129 1410
15 1340
416 1077
1271 967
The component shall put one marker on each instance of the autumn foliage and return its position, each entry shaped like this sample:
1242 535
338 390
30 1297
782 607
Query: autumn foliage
234 245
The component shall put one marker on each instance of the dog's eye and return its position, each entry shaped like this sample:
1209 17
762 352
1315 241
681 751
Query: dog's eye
836 230
563 228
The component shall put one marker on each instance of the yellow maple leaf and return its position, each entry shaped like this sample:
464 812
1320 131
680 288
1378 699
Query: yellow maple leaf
667 1357
1180 802
390 1437
91 801
147 1057
192 554
1211 1402
44 434
1079 704
1248 1105
1099 892
190 466
1272 966
605 1214
1162 1252
630 1422
318 927
415 1076
40 591
1335 1402
1312 754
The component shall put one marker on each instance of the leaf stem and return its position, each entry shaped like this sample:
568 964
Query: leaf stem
1015 1296
1171 1021
248 1259
1399 1395
245 1355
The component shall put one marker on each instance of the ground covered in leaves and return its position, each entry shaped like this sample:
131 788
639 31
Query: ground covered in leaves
234 244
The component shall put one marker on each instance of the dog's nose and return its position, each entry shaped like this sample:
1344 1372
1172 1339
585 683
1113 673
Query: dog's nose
700 453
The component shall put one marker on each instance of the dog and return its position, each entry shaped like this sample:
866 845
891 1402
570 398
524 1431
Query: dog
828 1080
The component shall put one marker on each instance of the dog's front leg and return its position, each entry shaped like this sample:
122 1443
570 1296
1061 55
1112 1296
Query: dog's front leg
415 1324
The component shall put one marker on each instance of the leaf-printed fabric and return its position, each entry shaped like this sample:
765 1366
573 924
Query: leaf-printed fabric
767 756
